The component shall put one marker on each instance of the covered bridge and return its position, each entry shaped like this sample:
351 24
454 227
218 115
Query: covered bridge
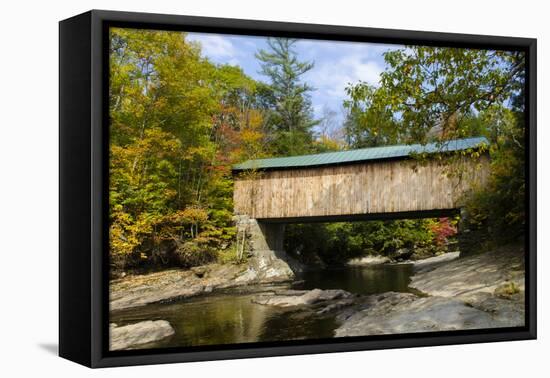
405 181
371 183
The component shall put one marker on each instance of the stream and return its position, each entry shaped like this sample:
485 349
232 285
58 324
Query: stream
231 317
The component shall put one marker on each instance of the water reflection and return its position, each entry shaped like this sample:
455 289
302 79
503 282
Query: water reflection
233 318
361 280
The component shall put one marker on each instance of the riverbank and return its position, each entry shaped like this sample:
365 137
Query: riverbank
174 284
480 291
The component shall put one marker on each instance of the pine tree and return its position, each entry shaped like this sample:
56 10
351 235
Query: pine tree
291 116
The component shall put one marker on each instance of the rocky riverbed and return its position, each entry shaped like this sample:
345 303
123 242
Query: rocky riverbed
480 291
140 290
447 293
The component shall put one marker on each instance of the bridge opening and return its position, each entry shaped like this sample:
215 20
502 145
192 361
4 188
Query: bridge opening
337 243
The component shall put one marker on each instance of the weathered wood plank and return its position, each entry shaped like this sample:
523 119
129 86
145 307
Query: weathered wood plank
372 187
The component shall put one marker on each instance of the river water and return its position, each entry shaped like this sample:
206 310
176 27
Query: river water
231 317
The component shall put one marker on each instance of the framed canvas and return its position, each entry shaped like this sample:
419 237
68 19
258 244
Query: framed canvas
235 188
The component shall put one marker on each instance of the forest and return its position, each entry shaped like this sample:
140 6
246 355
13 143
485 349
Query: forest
179 121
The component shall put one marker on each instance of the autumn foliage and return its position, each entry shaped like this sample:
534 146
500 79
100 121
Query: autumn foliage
178 123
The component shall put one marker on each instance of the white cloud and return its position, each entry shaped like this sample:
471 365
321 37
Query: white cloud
313 48
332 77
214 46
337 64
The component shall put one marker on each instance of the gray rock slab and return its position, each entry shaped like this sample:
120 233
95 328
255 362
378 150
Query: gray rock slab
133 335
431 263
291 298
402 313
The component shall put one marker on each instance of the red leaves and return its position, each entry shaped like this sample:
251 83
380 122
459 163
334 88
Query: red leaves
443 229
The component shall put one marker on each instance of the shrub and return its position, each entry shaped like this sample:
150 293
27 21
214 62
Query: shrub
335 243
195 252
231 255
498 209
442 229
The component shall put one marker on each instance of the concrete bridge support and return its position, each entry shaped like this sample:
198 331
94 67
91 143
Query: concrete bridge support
264 245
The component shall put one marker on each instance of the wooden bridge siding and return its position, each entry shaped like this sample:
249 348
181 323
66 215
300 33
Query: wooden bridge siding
368 188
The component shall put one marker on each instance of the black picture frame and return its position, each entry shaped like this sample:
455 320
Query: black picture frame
83 207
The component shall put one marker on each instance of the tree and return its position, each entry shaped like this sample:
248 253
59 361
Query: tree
436 94
499 208
328 124
178 123
291 115
368 123
329 135
335 243
431 93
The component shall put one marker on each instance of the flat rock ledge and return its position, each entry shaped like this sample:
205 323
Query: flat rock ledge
429 264
475 292
328 299
481 273
398 313
133 336
141 290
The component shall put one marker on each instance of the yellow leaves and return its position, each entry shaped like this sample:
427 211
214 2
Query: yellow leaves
251 136
255 119
178 123
122 240
193 214
204 152
325 143
126 232
158 142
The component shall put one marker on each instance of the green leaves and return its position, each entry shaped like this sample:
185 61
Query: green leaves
370 121
335 243
499 208
431 93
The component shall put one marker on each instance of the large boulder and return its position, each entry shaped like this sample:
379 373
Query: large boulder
401 254
133 335
478 291
291 298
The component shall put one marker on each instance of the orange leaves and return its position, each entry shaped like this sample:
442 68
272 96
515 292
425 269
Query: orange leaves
443 229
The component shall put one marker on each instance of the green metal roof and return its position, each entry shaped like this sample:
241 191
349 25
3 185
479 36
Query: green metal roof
364 154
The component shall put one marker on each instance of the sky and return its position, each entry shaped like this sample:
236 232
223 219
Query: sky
336 64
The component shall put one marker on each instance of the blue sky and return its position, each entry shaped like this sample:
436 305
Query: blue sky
336 63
